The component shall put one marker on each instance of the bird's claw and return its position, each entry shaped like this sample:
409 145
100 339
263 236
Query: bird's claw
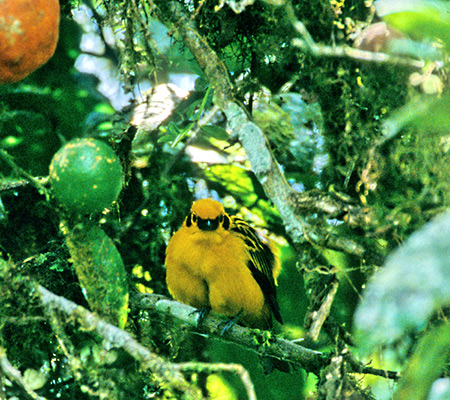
202 313
229 324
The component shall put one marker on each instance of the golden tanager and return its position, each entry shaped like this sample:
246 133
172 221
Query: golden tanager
220 263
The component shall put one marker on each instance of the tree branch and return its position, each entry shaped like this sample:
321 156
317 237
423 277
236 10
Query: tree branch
319 317
164 371
169 374
252 339
249 134
307 43
319 50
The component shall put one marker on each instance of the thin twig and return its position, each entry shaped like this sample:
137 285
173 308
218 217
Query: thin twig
361 368
350 52
322 314
21 172
306 42
14 375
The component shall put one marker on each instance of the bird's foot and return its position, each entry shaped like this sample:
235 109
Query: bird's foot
202 313
231 322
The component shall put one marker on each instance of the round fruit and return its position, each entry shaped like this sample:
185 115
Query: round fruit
86 176
28 36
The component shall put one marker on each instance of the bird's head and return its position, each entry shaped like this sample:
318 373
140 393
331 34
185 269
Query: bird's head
208 215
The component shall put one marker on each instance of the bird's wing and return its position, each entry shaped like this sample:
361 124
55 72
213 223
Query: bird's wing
262 261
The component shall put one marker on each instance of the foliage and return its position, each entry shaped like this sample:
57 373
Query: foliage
358 140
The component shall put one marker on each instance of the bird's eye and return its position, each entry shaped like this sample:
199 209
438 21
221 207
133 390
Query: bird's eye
225 221
191 219
188 220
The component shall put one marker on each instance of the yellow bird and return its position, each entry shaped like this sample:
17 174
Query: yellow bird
220 263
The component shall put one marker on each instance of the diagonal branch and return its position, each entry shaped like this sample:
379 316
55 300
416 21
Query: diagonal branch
249 134
150 362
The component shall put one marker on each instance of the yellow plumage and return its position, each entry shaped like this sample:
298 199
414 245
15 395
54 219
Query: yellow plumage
219 262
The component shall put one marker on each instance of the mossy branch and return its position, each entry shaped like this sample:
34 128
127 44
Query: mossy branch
252 339
249 134
150 362
306 43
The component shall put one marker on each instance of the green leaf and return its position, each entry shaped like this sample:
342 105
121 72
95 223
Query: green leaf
425 365
191 111
183 133
101 272
173 129
412 285
424 112
215 132
166 139
419 19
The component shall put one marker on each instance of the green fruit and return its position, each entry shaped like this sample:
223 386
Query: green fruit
86 176
100 271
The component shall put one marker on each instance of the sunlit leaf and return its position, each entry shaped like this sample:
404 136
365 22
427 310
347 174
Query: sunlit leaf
418 18
34 379
215 132
219 388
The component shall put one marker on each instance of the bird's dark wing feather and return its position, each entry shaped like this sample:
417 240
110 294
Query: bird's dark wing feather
261 263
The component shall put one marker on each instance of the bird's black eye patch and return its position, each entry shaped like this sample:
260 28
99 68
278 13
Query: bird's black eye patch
226 222
191 219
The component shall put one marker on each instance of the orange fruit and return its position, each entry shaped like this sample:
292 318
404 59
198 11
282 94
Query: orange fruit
28 36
